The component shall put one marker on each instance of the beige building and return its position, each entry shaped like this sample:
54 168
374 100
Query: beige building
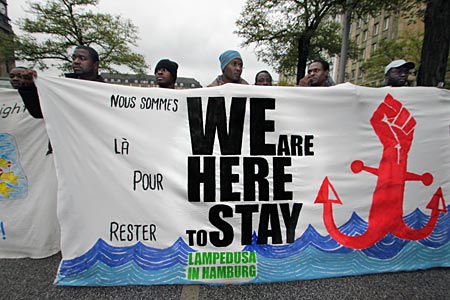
367 32
148 81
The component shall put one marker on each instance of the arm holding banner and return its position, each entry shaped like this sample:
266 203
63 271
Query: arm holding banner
29 94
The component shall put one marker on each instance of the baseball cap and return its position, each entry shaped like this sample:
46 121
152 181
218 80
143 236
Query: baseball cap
399 63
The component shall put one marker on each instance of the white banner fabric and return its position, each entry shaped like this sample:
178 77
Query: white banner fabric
28 222
247 184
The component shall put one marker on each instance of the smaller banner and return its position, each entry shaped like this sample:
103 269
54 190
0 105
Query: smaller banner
28 222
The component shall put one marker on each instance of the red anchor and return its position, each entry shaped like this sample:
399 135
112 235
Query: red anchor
394 126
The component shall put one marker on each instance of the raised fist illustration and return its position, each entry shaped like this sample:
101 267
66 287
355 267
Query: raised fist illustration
393 125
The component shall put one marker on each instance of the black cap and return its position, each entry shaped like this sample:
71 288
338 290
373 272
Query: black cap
169 65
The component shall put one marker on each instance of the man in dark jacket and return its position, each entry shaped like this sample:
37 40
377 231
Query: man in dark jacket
15 77
85 62
318 74
166 73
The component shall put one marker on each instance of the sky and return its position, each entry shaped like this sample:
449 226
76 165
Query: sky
192 33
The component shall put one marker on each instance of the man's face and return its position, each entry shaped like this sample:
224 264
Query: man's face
15 77
317 75
83 64
164 78
232 71
263 79
397 76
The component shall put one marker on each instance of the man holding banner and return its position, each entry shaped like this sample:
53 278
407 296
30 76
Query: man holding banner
85 64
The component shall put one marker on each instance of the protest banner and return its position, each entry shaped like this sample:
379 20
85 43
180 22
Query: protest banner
28 222
246 184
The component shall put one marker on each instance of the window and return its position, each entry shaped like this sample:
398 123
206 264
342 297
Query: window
367 18
386 23
365 35
364 54
374 47
357 38
360 73
376 28
359 23
352 76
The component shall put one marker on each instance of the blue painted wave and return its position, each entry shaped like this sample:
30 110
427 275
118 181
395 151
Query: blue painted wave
144 257
314 263
310 256
386 248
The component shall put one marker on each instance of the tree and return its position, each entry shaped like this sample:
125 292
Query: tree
59 25
435 49
7 49
288 32
407 46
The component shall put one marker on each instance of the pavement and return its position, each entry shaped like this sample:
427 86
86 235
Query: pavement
33 279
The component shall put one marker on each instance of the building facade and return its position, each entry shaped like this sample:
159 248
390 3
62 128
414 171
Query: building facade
6 34
367 32
148 81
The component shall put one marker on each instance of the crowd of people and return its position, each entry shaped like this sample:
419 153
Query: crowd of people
85 66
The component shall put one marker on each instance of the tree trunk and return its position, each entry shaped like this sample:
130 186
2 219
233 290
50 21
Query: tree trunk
436 41
303 53
344 47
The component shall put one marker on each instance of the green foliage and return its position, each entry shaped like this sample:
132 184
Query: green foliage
286 33
284 83
59 25
7 47
407 46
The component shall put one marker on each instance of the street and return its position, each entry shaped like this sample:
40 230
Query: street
33 279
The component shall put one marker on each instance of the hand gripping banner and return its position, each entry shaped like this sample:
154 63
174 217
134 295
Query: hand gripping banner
246 184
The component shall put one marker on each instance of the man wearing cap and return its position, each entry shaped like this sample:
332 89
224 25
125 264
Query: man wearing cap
396 73
231 65
166 73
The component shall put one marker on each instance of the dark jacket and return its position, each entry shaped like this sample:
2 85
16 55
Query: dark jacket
30 96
